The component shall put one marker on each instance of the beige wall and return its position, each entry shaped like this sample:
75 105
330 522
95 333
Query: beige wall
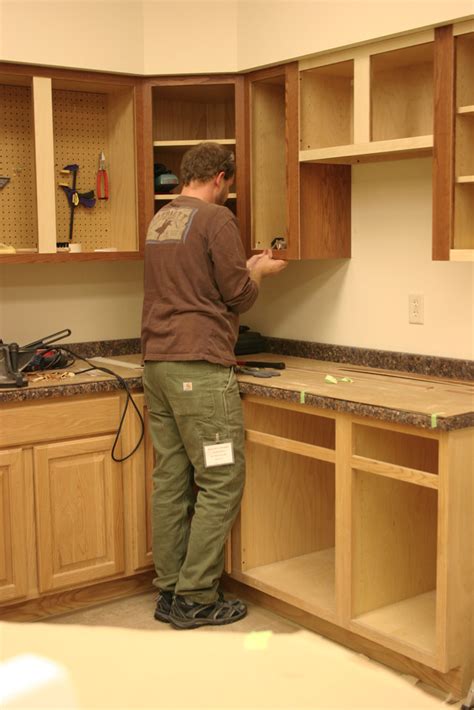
363 301
199 36
272 30
88 34
189 37
97 301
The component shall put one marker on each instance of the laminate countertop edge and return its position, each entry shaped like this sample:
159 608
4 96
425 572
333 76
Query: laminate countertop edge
134 382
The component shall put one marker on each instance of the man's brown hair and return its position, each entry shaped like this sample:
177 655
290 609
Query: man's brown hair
204 161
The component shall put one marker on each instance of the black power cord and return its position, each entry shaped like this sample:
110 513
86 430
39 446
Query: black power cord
129 399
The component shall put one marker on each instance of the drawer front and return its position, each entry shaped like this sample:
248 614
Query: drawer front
71 417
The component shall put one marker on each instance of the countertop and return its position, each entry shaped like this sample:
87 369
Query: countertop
419 400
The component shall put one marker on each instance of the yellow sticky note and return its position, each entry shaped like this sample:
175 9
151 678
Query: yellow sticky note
257 640
331 380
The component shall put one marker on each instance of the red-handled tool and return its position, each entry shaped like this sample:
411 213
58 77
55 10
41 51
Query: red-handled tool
102 179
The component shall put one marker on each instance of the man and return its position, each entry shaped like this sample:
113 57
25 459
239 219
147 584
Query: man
196 284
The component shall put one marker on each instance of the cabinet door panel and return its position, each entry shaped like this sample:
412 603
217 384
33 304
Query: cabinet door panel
13 536
79 512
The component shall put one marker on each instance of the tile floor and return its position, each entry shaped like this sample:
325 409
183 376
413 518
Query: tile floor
137 613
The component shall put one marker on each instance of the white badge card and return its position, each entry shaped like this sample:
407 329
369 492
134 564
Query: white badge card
218 454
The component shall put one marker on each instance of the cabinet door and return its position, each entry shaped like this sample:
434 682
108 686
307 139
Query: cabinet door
13 542
272 158
79 512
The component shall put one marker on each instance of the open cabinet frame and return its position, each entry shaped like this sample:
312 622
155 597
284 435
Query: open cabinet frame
353 527
59 102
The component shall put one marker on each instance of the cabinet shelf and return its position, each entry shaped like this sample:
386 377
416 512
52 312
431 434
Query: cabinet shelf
411 621
167 197
465 178
190 143
373 150
461 255
466 110
307 580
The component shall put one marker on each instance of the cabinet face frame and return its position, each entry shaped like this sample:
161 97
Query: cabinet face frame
453 191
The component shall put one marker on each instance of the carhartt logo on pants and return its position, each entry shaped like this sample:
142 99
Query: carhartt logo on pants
187 386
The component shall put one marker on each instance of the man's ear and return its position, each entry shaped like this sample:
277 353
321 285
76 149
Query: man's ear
219 178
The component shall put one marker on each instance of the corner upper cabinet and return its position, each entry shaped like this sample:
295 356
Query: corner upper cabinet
306 208
453 173
181 113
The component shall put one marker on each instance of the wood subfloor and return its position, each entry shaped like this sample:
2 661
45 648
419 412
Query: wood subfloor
137 613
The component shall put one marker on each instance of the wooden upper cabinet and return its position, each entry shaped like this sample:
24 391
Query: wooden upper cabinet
181 112
54 118
304 207
453 169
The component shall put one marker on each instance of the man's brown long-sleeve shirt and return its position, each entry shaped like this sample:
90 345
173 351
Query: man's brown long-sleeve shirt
196 283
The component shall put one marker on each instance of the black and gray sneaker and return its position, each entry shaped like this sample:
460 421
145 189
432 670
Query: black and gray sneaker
163 606
190 615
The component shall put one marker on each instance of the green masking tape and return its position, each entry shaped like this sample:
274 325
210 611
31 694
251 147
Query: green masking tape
434 421
302 396
257 640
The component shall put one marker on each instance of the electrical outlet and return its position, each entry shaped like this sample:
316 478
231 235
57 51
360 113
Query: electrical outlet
416 308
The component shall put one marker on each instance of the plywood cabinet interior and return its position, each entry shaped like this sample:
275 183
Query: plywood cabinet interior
361 523
188 111
370 103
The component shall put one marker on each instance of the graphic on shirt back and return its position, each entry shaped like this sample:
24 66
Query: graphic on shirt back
171 225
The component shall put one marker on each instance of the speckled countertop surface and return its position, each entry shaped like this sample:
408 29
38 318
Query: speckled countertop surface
420 400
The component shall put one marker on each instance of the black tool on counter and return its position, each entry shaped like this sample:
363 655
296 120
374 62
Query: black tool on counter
257 372
16 359
74 198
258 363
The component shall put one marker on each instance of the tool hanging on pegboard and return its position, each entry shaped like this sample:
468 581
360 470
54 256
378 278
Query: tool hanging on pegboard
74 198
102 179
4 181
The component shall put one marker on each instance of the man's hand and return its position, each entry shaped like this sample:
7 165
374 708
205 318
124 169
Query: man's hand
264 264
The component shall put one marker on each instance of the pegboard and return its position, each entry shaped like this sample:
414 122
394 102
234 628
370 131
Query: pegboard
18 221
80 134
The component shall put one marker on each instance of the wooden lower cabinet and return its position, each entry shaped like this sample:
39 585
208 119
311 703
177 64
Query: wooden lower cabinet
70 516
79 512
138 471
13 526
363 524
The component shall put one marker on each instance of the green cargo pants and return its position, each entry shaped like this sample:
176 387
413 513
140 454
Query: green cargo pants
191 404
